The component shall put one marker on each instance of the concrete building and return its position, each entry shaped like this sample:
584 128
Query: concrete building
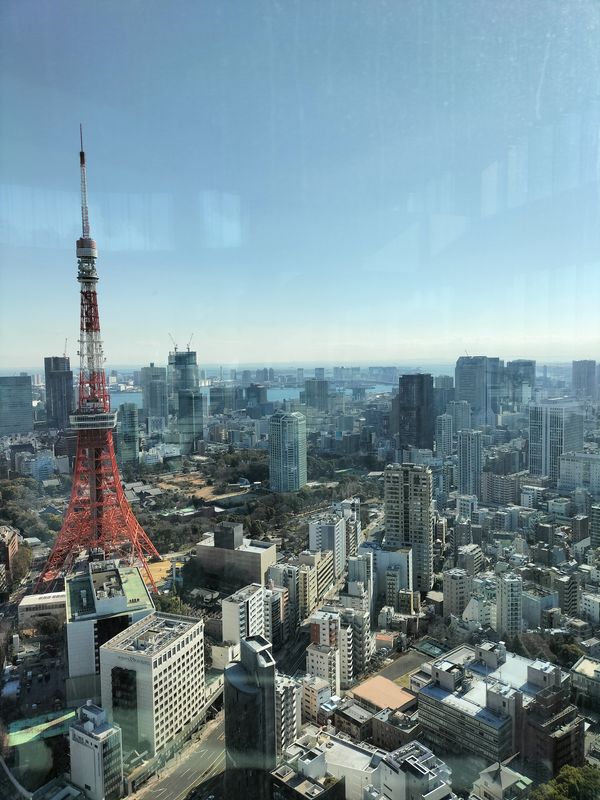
444 435
102 600
59 391
250 719
154 392
500 782
585 675
228 557
190 419
152 680
414 772
182 374
329 533
316 393
519 380
555 427
470 465
536 600
243 613
9 546
35 607
384 559
415 411
509 604
579 471
584 379
460 411
315 692
128 435
16 405
323 661
287 451
288 711
409 517
96 754
478 380
457 588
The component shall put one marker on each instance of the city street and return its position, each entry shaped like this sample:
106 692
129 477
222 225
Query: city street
197 763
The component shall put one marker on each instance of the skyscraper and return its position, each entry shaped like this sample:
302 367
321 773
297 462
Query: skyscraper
470 464
154 391
443 435
316 393
478 379
287 451
409 517
59 391
16 408
584 379
329 533
519 380
555 427
190 419
128 434
460 411
415 411
509 604
182 374
249 702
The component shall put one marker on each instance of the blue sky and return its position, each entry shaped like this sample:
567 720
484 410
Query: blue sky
312 181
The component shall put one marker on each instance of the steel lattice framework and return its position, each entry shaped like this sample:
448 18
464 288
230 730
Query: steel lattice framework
98 518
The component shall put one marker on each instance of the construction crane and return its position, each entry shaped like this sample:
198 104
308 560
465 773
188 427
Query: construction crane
189 342
174 342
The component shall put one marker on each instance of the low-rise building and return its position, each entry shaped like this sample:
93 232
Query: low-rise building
585 674
500 782
393 729
35 607
96 754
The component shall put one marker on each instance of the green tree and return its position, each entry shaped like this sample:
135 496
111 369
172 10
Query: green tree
20 563
571 783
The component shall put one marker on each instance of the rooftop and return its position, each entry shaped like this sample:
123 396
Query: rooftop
106 581
587 666
54 598
248 546
383 693
151 635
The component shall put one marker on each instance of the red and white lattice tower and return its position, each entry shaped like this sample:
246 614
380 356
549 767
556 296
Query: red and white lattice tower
99 517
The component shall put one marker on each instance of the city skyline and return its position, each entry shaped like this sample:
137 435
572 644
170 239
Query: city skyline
344 214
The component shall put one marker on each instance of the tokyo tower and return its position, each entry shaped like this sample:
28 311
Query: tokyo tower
99 519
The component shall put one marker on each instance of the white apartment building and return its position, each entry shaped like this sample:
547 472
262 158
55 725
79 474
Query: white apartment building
152 680
555 427
470 462
589 607
288 711
444 435
96 754
329 533
287 451
409 517
580 471
457 589
414 772
315 692
329 628
384 559
323 661
243 613
509 604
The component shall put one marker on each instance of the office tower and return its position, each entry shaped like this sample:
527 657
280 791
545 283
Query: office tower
584 379
190 419
102 599
329 533
287 451
128 434
250 735
443 435
470 463
300 376
59 391
316 393
288 712
256 395
457 591
415 411
555 427
243 614
154 392
444 382
16 405
595 526
409 517
152 680
182 374
509 604
519 380
460 411
98 516
478 379
96 754
320 373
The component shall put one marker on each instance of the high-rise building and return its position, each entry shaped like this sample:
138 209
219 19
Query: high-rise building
443 435
288 712
190 419
555 427
409 517
16 405
250 719
182 374
470 462
154 392
320 373
329 533
519 380
595 526
509 604
415 411
59 391
323 661
460 411
478 379
457 591
96 754
152 681
316 393
243 613
287 451
128 434
584 379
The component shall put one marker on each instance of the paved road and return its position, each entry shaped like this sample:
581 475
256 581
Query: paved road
195 765
407 662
